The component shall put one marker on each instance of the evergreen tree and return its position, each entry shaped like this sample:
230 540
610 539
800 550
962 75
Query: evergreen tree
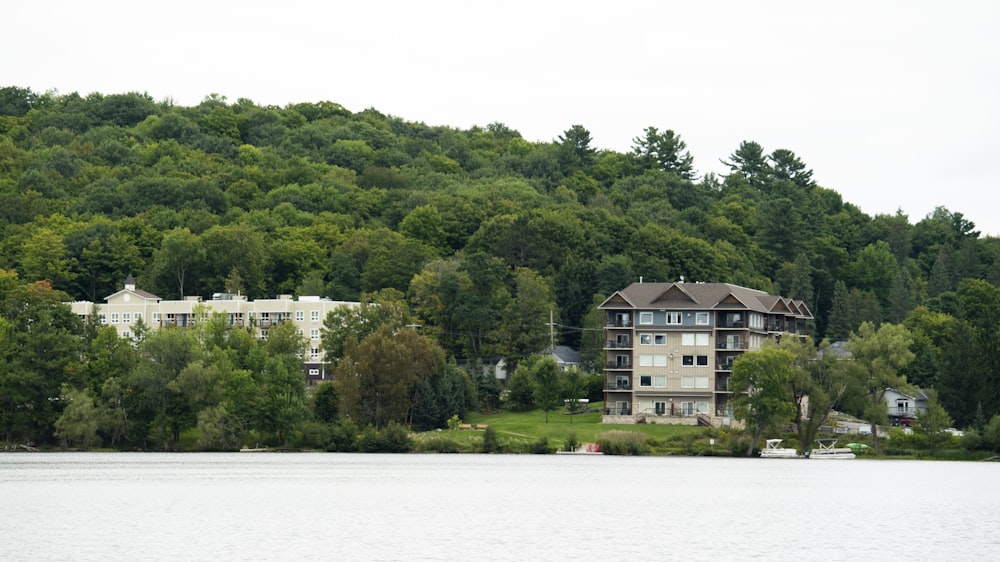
838 325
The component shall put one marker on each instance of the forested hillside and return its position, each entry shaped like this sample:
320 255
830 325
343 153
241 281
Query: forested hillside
481 232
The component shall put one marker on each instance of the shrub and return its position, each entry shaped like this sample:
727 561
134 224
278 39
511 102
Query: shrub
393 438
971 440
490 442
991 434
313 435
571 442
540 447
343 437
619 442
436 443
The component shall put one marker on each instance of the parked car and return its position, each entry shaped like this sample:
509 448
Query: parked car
865 429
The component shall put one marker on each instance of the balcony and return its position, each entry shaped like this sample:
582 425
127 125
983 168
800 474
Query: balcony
616 386
722 386
618 365
732 325
619 323
730 345
618 344
626 411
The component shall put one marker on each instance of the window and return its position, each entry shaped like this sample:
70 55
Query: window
156 318
621 381
660 339
645 339
645 317
102 318
659 360
660 381
126 317
645 380
645 360
314 315
660 408
114 317
701 318
687 360
694 338
313 372
299 332
694 382
300 315
138 316
674 318
126 334
314 353
701 360
263 334
314 335
692 408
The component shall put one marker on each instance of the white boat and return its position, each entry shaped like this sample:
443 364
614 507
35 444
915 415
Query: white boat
828 449
774 450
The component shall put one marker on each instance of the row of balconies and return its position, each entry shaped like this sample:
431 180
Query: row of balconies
617 386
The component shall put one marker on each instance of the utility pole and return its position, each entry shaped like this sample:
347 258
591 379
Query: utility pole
552 334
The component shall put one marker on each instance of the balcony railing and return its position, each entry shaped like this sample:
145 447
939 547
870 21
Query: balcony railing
618 344
618 411
735 324
619 324
677 413
613 386
730 345
723 412
617 365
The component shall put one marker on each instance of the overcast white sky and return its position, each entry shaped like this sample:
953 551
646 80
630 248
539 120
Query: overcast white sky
896 105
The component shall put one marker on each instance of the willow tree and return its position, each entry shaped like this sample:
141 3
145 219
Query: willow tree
878 358
760 381
817 385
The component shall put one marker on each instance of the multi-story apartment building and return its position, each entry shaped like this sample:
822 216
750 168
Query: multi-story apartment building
669 347
130 305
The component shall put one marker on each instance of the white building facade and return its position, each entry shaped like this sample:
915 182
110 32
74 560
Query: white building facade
124 309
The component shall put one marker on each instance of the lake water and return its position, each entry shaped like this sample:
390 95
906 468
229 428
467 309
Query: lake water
315 506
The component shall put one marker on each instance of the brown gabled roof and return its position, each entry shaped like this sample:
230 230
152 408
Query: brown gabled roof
804 310
616 300
702 296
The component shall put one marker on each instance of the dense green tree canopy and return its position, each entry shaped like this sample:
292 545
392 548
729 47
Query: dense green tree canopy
480 233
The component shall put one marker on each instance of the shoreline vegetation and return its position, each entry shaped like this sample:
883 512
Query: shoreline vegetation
507 432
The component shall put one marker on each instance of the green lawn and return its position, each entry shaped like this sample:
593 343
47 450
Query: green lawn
531 426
